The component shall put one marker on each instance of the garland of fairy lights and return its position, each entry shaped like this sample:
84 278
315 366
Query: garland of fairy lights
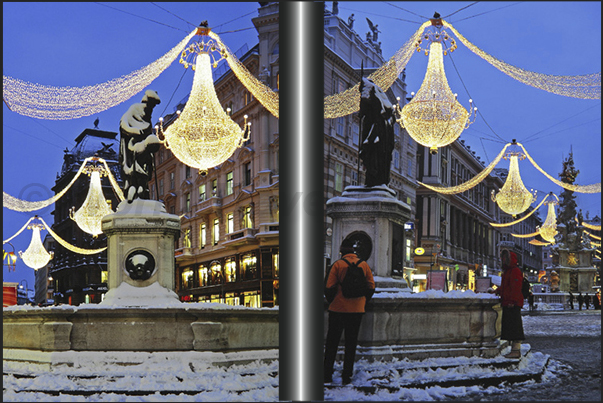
538 243
592 226
521 219
594 188
583 86
12 203
471 182
60 240
264 94
62 103
598 238
348 101
548 230
595 244
526 235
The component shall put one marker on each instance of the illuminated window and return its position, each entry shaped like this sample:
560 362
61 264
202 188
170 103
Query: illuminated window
229 223
408 248
187 278
104 276
215 270
252 299
247 222
275 259
202 195
230 269
216 231
248 266
229 183
202 235
203 276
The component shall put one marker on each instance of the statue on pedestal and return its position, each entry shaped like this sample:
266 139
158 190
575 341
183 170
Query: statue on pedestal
376 133
137 146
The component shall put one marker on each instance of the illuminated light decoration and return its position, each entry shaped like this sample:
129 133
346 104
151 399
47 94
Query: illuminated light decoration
18 232
598 238
10 258
94 208
595 244
203 135
594 188
36 256
548 230
526 235
538 243
348 101
513 198
591 226
67 245
12 203
471 182
264 94
521 219
583 86
62 103
434 118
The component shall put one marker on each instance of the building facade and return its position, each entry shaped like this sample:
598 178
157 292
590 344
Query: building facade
345 52
81 278
228 250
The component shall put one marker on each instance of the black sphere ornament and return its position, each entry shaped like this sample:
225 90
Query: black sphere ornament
140 265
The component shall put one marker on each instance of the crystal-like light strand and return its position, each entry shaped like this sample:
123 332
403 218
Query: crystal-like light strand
583 86
113 181
62 103
68 246
513 198
95 207
538 243
594 188
591 226
264 94
36 256
548 230
526 235
521 219
18 232
592 235
471 182
348 101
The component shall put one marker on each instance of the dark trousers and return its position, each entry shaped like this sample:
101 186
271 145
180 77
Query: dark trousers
338 323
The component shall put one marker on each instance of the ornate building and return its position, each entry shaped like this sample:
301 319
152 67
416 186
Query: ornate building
344 53
81 278
229 246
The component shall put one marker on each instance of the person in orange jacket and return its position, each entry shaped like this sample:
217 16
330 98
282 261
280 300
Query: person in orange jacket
345 314
511 299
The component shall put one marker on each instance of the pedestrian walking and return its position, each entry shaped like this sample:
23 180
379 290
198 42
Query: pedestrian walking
597 300
586 300
511 300
580 299
571 300
531 301
345 311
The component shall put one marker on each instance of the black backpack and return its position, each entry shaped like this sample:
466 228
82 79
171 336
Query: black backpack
354 283
525 288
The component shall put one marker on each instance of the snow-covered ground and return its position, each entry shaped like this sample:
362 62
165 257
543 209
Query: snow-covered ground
257 380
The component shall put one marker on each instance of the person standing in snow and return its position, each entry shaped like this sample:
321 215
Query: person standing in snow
580 299
571 300
586 300
137 146
345 314
511 300
597 300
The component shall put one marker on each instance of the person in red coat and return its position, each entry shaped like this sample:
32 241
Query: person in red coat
511 299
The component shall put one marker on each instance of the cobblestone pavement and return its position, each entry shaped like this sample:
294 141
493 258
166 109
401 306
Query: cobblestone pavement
575 355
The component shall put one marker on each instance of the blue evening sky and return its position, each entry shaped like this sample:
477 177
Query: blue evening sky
77 44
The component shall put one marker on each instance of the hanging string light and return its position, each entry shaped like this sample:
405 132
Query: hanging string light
348 101
203 135
514 198
62 103
36 256
471 182
591 226
583 86
94 208
548 230
598 238
264 94
538 243
434 118
12 203
594 188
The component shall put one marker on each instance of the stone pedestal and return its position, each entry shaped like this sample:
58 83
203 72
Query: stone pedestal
371 214
140 244
576 272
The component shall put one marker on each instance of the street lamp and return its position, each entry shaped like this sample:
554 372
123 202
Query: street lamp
26 289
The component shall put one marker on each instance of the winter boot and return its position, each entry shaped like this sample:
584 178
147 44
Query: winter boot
515 351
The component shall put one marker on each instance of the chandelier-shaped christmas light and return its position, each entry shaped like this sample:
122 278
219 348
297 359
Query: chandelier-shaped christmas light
434 118
203 135
548 230
36 256
94 208
514 198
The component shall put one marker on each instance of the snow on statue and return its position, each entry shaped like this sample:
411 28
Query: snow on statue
137 146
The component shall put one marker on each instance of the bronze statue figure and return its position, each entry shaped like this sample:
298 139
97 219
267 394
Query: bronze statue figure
137 146
376 133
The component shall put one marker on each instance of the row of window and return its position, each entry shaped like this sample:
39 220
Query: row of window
246 222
